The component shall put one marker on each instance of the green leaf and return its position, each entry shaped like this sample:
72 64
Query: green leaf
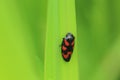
61 19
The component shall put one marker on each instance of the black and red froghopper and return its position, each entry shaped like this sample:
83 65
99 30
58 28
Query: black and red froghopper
67 47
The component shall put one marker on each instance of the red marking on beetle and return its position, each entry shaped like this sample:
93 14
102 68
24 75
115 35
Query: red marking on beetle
65 55
72 43
64 48
66 43
69 53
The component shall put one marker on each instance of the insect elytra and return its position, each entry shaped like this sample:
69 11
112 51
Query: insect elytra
67 46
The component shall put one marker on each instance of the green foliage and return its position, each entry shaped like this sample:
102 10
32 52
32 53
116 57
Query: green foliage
31 32
61 19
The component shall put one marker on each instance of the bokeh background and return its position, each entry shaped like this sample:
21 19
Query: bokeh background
22 38
98 23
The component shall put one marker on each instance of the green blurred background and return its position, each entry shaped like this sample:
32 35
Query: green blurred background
22 38
98 39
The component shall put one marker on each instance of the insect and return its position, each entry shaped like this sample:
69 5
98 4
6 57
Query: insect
67 46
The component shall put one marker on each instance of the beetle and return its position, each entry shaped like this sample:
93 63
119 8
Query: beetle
67 46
